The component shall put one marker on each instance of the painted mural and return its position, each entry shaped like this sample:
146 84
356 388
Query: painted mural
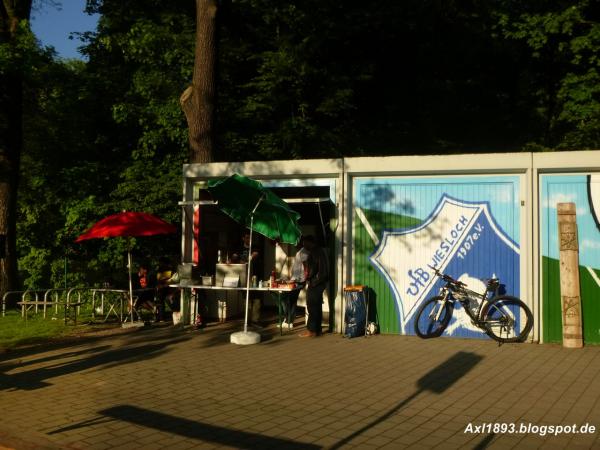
467 227
584 191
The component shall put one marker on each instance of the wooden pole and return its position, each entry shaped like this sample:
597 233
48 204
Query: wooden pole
569 275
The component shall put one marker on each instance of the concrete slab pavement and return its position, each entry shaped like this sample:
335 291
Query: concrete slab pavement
171 388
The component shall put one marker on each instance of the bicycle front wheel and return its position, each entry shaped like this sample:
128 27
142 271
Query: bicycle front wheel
507 319
432 317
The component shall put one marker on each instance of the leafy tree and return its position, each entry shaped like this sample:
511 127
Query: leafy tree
16 43
198 101
295 80
281 93
64 177
153 50
321 79
99 139
563 39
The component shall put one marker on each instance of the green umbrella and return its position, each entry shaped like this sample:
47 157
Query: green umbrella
251 204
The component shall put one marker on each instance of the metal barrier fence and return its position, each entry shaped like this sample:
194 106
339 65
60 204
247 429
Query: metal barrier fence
56 296
111 301
5 297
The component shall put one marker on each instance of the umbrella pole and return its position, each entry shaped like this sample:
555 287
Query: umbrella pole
65 269
250 262
248 275
130 282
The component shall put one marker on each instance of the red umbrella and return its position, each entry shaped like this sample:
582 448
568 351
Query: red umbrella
128 224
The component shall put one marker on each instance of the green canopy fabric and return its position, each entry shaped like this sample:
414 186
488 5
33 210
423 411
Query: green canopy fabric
237 196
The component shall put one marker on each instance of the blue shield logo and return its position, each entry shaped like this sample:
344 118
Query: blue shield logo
459 238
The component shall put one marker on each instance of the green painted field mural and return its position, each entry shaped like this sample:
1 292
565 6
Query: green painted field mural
366 274
590 302
583 190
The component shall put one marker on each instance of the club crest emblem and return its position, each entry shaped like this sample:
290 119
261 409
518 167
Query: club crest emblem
459 238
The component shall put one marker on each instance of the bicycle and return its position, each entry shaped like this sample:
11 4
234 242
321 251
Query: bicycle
494 314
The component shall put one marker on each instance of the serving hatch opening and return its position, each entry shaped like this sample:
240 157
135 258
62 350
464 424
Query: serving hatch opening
212 234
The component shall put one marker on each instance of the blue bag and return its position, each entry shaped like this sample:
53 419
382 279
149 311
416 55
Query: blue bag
355 314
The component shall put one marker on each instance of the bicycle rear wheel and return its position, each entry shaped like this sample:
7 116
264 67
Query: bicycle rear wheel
432 317
507 319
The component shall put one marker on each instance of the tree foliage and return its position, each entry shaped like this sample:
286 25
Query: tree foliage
563 41
296 79
15 50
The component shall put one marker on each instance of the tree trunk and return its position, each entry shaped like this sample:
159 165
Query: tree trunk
198 101
12 12
11 111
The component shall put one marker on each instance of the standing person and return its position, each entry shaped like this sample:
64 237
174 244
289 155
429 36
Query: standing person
242 254
299 271
316 281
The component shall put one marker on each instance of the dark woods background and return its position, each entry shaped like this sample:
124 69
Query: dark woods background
296 79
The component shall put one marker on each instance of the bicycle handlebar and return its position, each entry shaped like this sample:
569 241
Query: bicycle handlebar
447 278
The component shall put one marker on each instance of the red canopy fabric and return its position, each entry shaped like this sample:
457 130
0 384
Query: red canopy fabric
127 224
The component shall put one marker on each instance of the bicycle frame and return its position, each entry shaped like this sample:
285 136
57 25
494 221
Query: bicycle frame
494 313
450 293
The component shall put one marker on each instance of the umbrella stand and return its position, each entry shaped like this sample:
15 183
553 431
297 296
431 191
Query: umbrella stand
127 224
249 263
132 323
243 198
248 337
248 272
130 282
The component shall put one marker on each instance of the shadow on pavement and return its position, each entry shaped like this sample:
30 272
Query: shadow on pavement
436 380
61 344
66 342
449 372
83 424
197 430
485 442
37 378
14 363
219 334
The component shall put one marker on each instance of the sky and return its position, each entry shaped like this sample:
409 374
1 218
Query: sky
52 25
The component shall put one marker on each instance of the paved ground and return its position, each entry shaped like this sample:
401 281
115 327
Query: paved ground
168 388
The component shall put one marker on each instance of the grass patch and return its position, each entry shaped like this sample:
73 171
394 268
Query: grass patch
16 331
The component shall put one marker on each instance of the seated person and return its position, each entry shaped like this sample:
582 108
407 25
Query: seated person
144 288
164 293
